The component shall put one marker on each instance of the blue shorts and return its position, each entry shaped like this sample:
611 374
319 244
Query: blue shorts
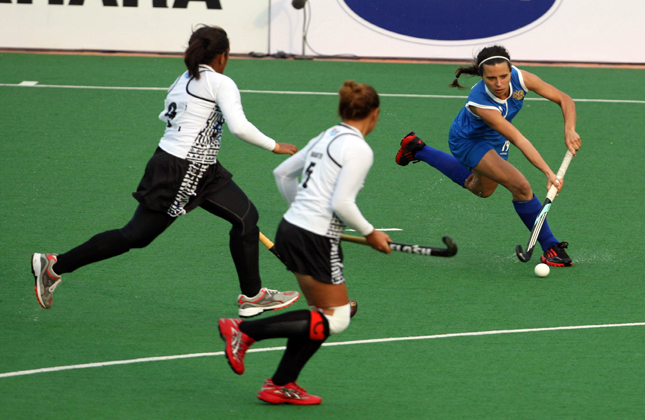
470 152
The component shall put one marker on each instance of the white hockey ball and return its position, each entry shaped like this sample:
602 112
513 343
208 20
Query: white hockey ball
542 270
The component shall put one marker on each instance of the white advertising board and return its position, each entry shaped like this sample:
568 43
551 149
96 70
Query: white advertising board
130 25
532 30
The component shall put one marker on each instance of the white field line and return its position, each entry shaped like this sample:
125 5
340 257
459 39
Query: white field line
342 343
32 84
381 229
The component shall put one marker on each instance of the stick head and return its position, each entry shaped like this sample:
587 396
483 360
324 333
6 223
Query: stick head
524 257
353 307
451 247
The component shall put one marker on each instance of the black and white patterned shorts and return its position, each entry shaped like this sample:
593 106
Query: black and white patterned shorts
165 176
307 253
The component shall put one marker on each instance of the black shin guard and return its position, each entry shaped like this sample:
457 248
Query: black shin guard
302 324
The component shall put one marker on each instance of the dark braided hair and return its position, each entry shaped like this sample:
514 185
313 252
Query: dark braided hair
206 43
476 68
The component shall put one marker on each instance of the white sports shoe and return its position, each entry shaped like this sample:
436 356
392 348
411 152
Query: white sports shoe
266 300
46 279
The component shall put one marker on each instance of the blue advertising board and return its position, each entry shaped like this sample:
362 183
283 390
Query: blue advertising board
450 20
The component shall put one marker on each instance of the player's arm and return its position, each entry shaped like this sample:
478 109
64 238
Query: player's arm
230 102
494 119
566 103
286 175
355 166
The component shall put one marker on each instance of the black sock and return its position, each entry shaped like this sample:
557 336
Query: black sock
299 351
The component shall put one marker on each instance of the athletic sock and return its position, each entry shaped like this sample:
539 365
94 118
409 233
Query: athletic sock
299 351
445 163
528 212
306 330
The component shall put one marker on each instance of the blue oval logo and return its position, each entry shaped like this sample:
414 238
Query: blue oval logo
450 20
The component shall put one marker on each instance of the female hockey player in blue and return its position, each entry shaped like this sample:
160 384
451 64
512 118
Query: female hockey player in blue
481 134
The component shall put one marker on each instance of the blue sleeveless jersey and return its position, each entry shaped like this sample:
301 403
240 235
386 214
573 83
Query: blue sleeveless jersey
468 127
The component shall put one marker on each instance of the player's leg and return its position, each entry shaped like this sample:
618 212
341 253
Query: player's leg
480 185
232 204
142 229
492 170
306 330
526 204
329 303
414 149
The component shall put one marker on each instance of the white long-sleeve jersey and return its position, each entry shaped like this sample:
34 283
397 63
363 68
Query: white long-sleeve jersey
194 113
196 109
332 168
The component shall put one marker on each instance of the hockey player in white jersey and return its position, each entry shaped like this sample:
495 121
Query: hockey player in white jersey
184 174
320 183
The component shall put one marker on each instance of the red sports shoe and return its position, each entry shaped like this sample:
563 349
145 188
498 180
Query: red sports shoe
556 256
409 146
237 343
290 393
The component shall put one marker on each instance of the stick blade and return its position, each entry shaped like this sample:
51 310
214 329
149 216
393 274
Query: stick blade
524 257
451 249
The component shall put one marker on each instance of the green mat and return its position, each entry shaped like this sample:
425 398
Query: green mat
71 155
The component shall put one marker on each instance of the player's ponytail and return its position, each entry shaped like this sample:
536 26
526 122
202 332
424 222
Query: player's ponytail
487 56
206 43
357 100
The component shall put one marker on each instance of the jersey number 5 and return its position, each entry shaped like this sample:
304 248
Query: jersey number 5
309 170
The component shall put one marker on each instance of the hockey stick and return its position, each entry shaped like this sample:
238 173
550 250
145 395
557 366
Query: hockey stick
450 251
353 306
539 221
270 246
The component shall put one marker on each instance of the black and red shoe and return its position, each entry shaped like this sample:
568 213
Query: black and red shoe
409 146
237 343
290 393
556 256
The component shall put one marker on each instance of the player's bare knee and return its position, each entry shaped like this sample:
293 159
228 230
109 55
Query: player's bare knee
479 188
484 193
339 321
523 191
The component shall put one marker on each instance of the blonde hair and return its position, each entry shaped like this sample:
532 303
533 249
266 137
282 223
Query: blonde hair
357 100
